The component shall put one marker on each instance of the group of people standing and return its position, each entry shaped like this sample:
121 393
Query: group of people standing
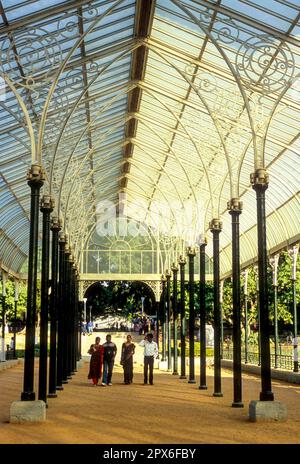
103 358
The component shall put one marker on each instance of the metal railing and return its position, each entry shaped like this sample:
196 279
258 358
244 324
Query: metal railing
279 361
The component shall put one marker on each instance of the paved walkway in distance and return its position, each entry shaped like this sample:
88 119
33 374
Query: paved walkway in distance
172 411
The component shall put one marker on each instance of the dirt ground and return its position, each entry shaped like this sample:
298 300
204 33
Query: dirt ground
170 412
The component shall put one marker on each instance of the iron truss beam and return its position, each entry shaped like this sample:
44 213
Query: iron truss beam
143 25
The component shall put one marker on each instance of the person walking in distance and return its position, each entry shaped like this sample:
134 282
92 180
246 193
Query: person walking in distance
150 354
110 351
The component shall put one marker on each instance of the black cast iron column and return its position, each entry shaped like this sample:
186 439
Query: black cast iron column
182 263
175 314
191 254
202 385
68 332
235 208
47 206
60 312
259 181
163 317
216 227
274 264
168 324
293 252
35 179
55 228
245 275
15 315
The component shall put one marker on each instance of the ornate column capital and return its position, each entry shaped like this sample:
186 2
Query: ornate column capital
191 251
168 274
174 268
36 175
62 238
47 204
215 225
181 260
235 206
55 224
259 179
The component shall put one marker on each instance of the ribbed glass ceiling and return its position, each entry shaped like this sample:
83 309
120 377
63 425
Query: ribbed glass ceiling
171 103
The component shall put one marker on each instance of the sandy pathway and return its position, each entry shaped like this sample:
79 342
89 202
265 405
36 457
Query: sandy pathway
172 411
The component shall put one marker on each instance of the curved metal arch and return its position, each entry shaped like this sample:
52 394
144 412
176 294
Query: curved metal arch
78 101
145 196
93 226
34 158
207 108
232 70
175 155
87 127
279 99
160 167
25 240
9 110
60 71
88 175
190 138
11 220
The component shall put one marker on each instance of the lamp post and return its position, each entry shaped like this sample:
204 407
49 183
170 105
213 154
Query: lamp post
55 228
215 228
168 324
245 276
260 180
84 310
202 244
16 309
142 300
3 315
255 269
293 252
35 180
191 252
221 316
182 263
175 273
163 316
60 313
274 264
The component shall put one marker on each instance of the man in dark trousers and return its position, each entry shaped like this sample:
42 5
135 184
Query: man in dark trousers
150 354
110 351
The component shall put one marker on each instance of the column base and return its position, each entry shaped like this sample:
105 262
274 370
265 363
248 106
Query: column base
192 381
260 411
64 382
52 395
175 373
69 377
202 387
183 377
218 395
59 388
266 396
237 404
27 396
27 411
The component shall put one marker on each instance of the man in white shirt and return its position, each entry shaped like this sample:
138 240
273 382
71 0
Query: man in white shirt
150 354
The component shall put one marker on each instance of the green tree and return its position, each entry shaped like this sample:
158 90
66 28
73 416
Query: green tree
10 299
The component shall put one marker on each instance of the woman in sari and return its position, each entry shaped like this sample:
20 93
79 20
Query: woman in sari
96 351
128 349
